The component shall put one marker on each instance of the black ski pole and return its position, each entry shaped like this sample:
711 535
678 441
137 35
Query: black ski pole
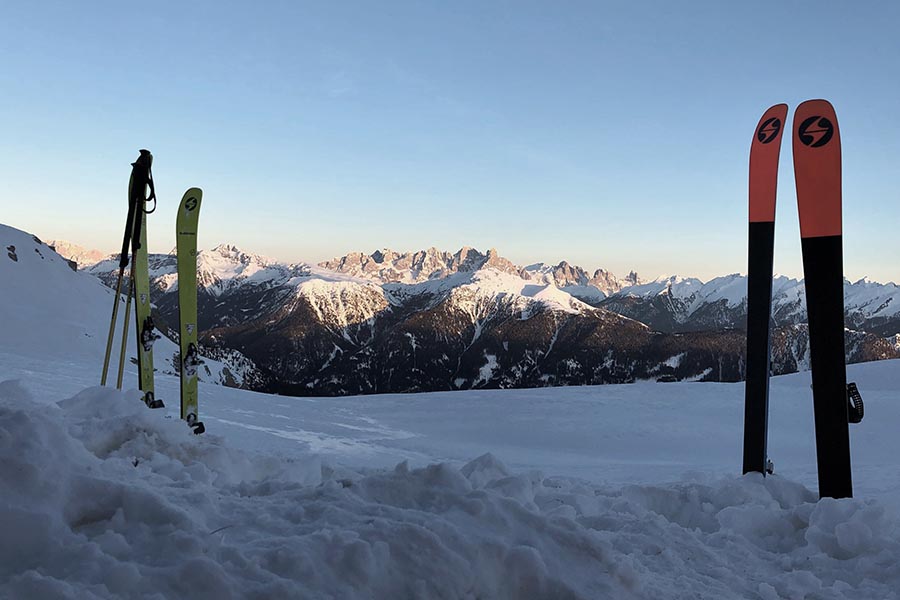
137 190
123 263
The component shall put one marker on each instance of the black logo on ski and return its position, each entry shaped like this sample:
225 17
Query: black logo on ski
190 204
769 130
815 131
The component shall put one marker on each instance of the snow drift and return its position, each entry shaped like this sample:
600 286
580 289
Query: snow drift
105 499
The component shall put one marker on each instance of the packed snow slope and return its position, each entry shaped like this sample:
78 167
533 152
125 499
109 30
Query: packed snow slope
622 491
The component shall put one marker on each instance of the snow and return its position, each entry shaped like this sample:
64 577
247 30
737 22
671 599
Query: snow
493 283
674 285
343 302
625 491
585 292
487 369
617 491
675 361
693 292
863 298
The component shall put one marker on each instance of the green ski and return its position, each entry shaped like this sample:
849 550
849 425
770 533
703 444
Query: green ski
141 191
146 332
186 248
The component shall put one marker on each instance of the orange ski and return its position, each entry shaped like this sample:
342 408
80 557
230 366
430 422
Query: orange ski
764 152
817 170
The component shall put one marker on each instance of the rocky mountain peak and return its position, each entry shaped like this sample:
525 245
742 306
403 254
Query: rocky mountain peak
388 266
608 283
82 256
495 261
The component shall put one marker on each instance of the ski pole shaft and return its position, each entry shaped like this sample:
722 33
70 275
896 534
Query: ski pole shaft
112 328
125 333
123 262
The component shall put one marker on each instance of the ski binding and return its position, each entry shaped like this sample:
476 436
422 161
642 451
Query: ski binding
194 424
191 361
148 334
152 402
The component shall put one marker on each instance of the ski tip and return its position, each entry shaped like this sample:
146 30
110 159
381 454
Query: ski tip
817 168
764 152
771 124
817 102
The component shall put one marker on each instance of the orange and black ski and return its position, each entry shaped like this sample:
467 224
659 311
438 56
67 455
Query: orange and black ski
817 171
764 152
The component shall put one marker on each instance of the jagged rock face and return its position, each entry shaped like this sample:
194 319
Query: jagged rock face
80 255
565 275
433 320
607 283
388 266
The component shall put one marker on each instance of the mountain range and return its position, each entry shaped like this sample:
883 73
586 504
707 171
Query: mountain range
435 320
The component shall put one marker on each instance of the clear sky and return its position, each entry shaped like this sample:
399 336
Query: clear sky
608 134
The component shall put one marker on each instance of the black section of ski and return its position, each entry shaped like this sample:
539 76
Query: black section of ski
759 310
823 272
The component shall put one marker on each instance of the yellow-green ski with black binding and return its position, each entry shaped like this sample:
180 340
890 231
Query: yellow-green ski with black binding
186 248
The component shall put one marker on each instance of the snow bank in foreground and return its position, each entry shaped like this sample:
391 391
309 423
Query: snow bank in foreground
104 498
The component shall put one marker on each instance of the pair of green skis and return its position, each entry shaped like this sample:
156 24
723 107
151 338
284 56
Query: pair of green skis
141 192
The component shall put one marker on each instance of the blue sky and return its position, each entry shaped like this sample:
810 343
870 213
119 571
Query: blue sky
608 134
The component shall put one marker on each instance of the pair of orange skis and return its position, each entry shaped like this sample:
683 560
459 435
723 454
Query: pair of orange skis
816 148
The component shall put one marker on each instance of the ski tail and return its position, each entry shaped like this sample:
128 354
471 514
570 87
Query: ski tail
764 154
817 170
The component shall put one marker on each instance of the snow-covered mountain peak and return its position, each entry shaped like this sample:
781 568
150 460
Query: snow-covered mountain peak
342 302
82 256
233 254
226 267
388 266
671 285
866 281
577 281
561 275
497 285
730 288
